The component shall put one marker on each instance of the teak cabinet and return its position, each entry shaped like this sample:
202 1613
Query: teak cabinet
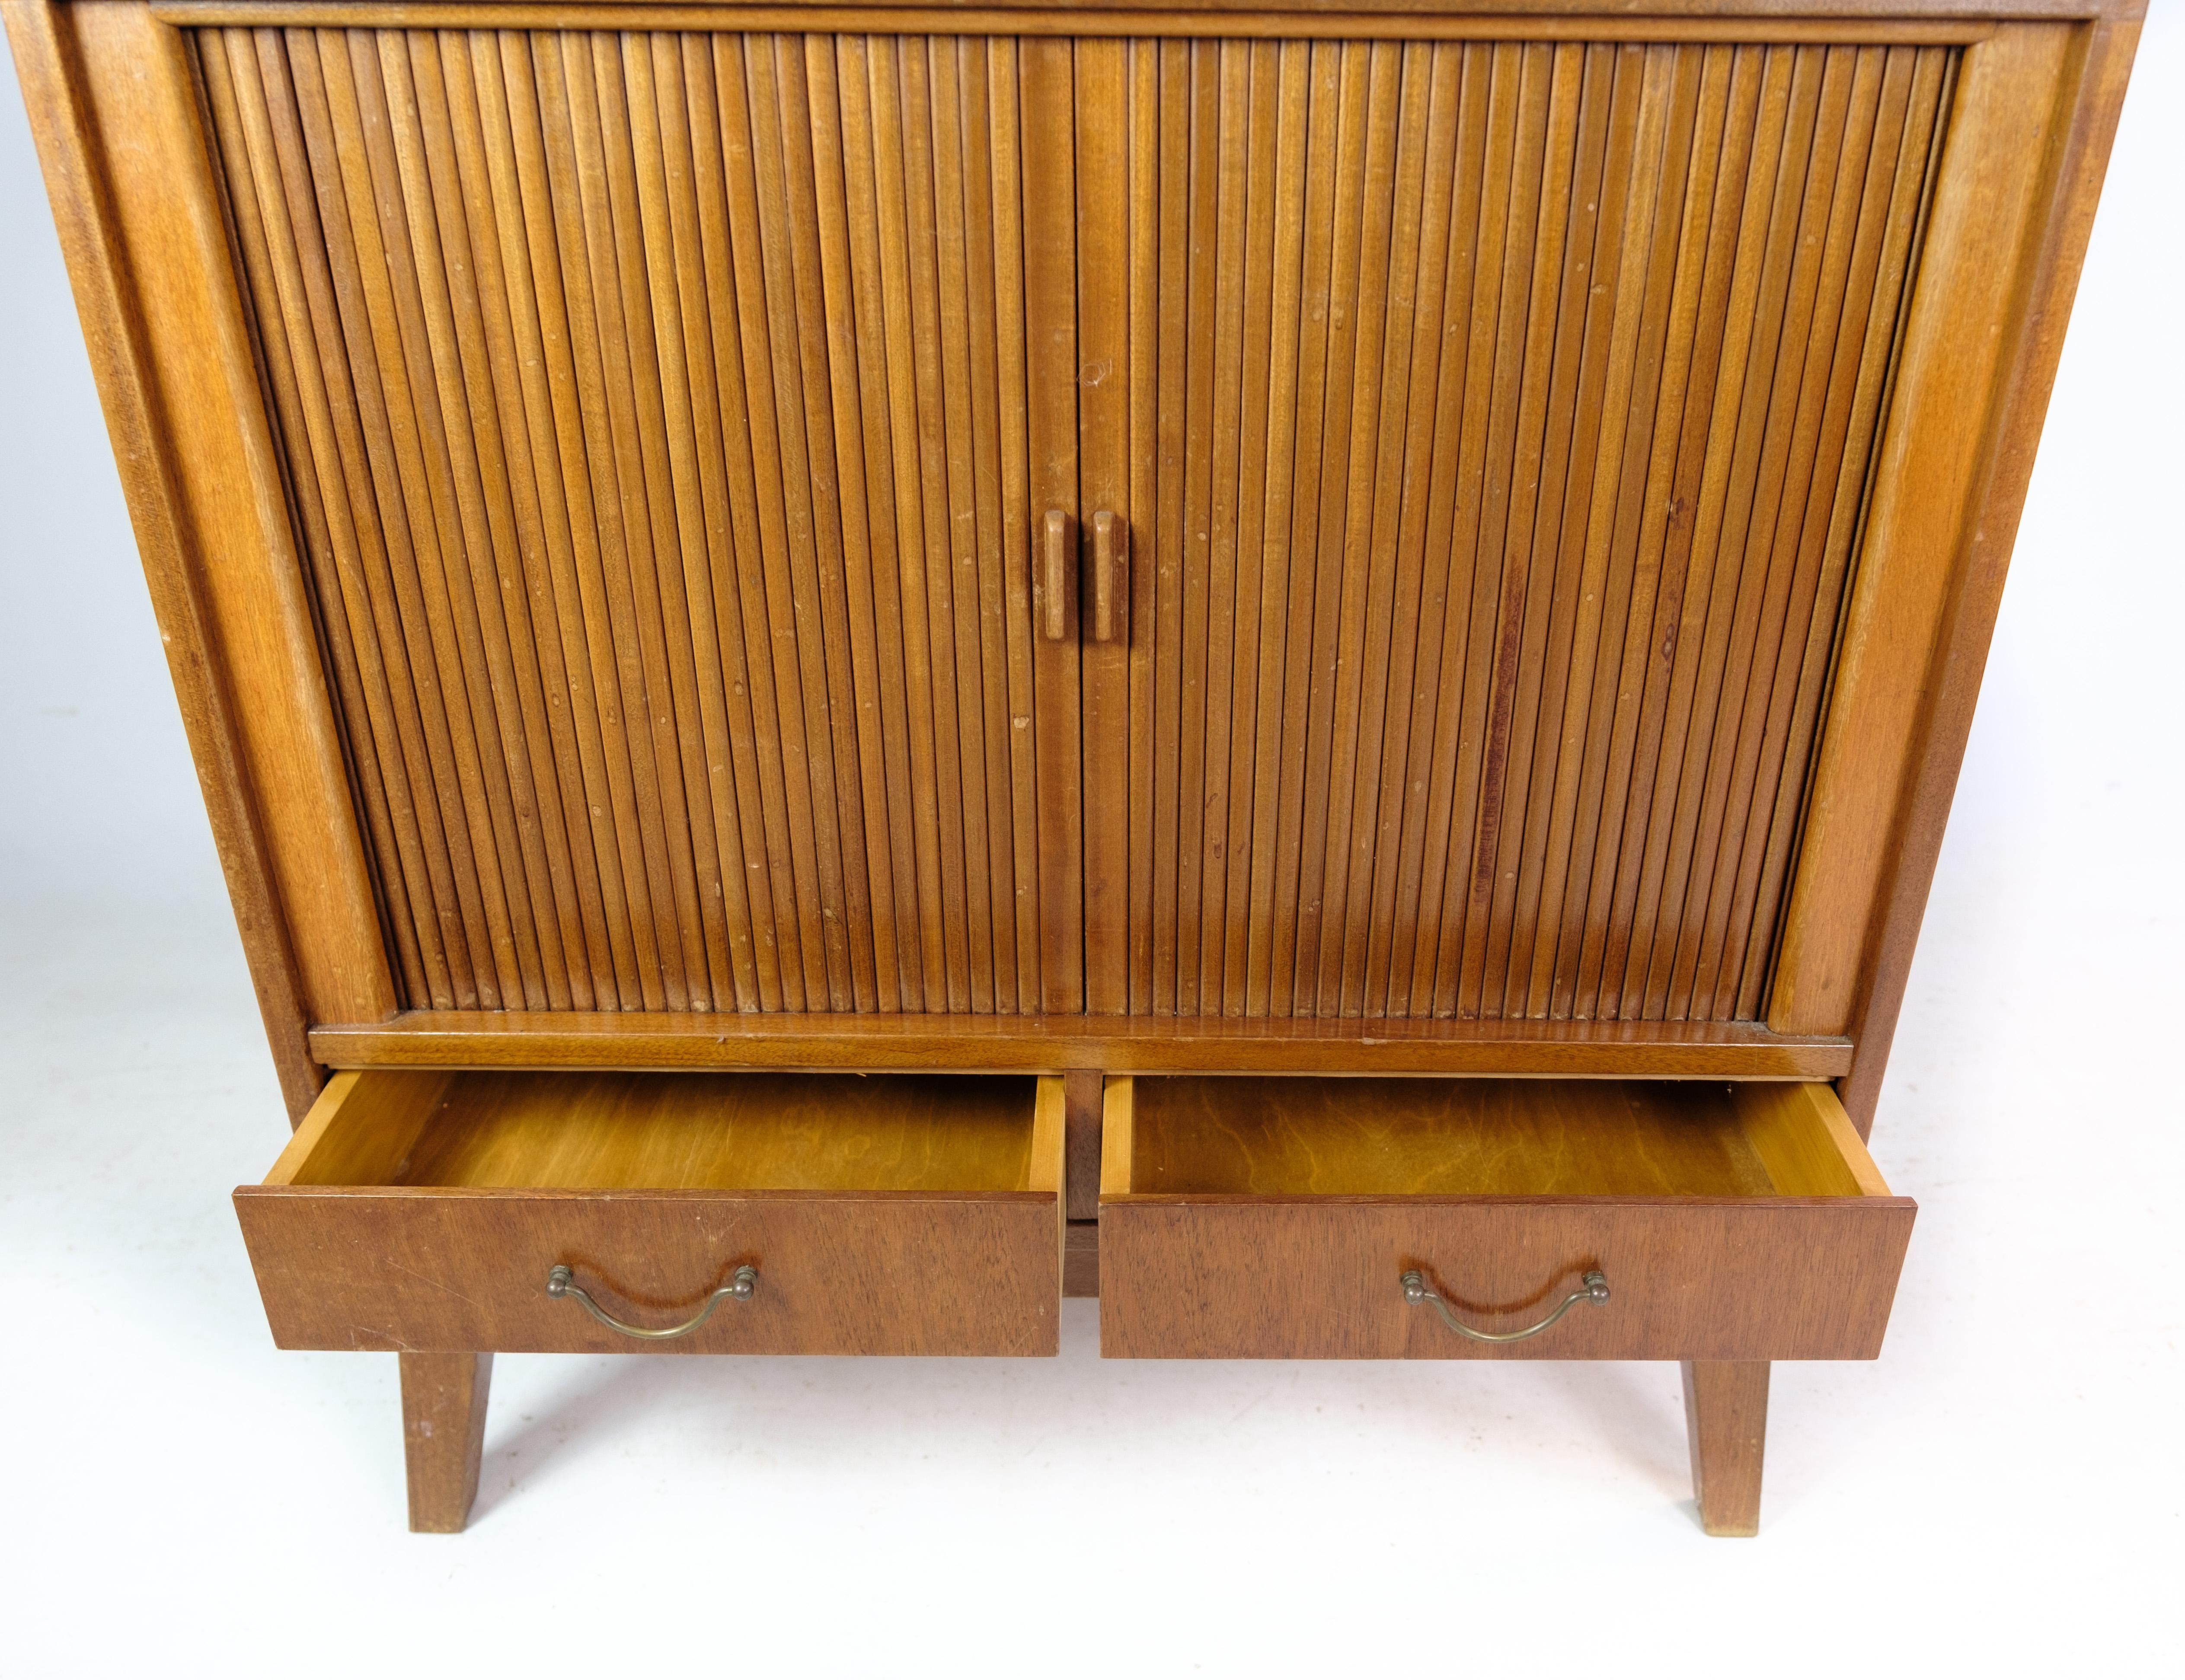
857 666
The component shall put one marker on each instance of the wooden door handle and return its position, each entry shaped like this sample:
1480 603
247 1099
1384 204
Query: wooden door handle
1058 579
1111 571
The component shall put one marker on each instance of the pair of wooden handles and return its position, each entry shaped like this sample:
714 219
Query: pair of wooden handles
1111 562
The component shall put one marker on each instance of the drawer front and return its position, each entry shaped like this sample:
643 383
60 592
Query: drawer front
1317 1277
878 1272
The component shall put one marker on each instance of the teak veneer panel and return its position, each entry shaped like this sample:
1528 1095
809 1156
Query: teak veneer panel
1512 410
1925 22
2034 117
1272 1219
656 408
749 1131
1481 1137
878 1273
1186 1136
885 1216
902 1043
667 417
1316 1277
672 1131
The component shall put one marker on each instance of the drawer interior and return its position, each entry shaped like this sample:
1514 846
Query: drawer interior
1259 1137
621 1131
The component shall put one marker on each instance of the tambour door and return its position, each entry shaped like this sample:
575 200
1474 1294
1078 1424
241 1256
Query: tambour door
664 416
1492 425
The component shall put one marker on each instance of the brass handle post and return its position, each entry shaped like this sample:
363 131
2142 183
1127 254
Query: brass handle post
1594 1288
561 1284
1111 571
1057 574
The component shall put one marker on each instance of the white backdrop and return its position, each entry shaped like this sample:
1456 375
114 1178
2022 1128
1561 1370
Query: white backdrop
2001 1491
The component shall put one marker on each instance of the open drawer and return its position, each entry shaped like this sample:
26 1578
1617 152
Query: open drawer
1385 1219
875 1216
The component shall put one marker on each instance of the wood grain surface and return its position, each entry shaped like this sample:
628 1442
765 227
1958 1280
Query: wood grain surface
1316 1277
747 1132
1081 1258
680 1131
652 711
2013 206
875 1272
656 409
362 1129
1271 1219
444 1400
1959 344
888 1215
1726 1420
1081 1144
879 1044
1391 1137
1912 21
60 74
172 224
1513 410
1186 1135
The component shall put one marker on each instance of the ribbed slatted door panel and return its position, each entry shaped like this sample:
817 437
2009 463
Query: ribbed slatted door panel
1493 506
655 408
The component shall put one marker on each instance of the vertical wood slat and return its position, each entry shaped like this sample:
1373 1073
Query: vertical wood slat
659 421
512 116
1568 361
299 402
1100 89
1047 122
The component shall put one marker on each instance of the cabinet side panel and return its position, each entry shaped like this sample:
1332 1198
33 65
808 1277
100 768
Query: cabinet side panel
172 223
61 73
2036 110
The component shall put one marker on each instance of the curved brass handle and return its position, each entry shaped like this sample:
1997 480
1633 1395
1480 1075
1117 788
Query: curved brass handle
561 1281
1415 1290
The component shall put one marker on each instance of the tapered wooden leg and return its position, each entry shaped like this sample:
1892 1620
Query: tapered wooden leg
1726 1416
443 1433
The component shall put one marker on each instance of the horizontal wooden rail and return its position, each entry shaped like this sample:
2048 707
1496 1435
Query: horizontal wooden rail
1281 24
1105 1043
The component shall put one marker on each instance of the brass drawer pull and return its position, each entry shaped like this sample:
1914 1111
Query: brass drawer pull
1415 1290
561 1281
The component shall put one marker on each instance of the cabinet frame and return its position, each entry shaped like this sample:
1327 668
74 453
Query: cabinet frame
150 258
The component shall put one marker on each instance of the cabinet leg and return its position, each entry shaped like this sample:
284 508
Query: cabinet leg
443 1433
1726 1416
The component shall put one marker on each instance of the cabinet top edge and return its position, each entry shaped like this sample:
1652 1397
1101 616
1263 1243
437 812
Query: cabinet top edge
1111 16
